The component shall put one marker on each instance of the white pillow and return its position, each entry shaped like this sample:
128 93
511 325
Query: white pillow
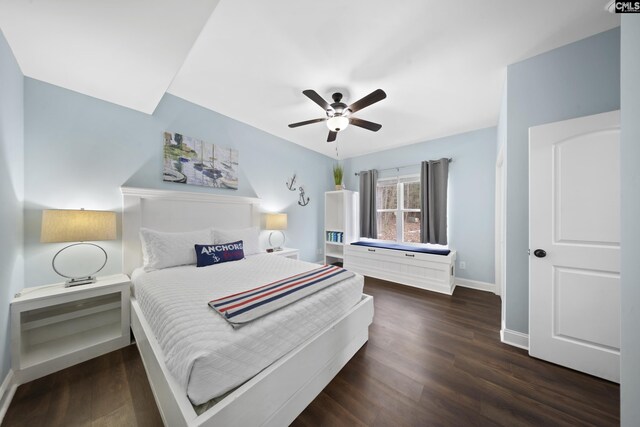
161 249
249 237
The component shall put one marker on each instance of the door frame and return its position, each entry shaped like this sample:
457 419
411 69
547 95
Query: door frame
500 230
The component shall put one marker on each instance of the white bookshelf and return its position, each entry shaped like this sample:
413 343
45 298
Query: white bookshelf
54 327
340 223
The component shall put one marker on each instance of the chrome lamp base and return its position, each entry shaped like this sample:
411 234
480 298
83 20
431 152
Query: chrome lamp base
77 281
279 247
83 280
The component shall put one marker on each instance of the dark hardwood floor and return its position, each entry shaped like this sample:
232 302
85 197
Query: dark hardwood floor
431 360
111 390
435 360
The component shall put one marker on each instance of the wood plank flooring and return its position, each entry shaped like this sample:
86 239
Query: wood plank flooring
438 360
431 360
111 390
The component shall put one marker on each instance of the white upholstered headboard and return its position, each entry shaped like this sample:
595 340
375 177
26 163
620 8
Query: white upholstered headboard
178 211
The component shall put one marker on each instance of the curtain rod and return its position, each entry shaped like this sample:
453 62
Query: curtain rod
400 167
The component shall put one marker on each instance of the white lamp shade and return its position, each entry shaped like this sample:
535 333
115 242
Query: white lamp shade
337 123
60 225
276 221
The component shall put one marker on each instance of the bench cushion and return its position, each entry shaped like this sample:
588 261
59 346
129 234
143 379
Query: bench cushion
402 247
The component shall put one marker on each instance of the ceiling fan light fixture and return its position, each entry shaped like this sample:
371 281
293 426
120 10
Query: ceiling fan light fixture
339 113
337 123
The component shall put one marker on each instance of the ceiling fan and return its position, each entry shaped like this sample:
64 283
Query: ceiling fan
339 114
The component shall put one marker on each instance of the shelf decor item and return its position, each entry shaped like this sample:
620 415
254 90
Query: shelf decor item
276 222
338 172
82 226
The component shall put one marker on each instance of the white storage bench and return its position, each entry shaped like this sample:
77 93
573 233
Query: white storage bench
421 270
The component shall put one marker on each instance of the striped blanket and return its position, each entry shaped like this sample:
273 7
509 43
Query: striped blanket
249 305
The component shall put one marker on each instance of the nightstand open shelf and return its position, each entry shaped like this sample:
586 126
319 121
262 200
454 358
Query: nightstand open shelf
37 354
43 317
56 327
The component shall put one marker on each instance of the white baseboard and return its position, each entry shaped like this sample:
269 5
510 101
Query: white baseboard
514 338
7 390
475 284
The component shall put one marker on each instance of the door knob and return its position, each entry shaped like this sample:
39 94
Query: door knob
540 253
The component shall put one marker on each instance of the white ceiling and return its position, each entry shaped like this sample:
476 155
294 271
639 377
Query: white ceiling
122 51
442 64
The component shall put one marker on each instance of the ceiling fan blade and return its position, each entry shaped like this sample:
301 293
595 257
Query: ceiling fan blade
365 124
372 98
307 122
313 95
332 136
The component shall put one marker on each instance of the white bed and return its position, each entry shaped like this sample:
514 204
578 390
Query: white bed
206 355
307 357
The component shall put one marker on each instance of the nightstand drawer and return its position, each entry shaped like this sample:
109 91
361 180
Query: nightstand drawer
287 253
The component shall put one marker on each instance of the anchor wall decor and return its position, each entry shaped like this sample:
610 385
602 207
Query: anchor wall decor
290 184
302 200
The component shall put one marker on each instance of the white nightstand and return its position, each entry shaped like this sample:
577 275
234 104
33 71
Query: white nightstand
53 327
288 253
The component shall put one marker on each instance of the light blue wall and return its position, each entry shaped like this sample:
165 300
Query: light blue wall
80 150
630 165
575 80
11 192
471 191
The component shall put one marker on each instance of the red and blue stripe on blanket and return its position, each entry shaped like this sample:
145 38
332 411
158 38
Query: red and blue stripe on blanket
243 307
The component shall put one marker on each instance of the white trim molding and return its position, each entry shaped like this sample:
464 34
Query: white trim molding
7 390
476 284
149 193
515 338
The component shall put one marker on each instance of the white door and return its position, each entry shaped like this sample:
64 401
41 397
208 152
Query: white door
574 237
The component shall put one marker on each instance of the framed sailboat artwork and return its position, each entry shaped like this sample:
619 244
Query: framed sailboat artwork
192 161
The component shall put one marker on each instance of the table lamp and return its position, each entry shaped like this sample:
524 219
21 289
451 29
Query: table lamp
276 222
60 225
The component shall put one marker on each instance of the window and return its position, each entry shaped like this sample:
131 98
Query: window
398 209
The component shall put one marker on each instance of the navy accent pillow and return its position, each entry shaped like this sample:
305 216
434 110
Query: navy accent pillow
217 253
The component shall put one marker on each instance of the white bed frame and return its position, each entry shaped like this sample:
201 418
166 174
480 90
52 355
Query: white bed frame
277 395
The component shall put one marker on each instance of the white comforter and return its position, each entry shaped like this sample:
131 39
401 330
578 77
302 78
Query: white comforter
202 351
